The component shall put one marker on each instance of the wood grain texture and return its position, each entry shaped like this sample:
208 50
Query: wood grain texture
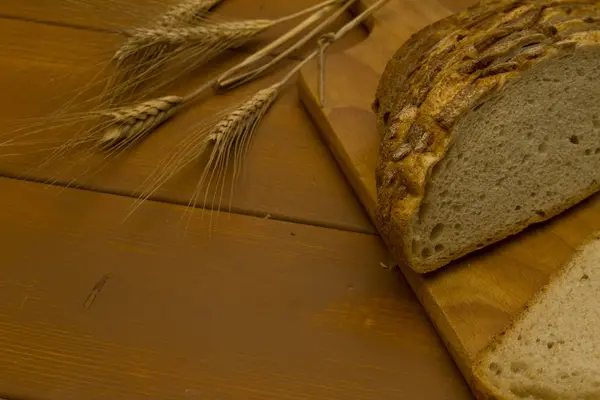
42 66
474 298
94 308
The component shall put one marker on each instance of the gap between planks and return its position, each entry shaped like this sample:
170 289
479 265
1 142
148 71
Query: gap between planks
160 199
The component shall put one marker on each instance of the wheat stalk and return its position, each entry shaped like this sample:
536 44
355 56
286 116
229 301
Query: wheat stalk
195 11
229 80
328 39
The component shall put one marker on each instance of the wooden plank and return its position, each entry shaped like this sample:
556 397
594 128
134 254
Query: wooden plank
476 297
91 307
290 173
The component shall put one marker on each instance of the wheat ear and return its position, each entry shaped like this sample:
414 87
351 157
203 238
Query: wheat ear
186 12
230 137
143 55
128 124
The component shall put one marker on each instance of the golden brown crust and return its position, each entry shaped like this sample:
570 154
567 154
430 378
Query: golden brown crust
443 72
479 384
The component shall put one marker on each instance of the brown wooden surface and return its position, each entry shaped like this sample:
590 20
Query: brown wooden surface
288 298
474 298
260 309
39 63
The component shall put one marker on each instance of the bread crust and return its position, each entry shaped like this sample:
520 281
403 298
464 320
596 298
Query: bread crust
446 70
480 385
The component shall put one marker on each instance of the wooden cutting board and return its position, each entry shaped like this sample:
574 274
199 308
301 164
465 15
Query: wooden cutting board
472 299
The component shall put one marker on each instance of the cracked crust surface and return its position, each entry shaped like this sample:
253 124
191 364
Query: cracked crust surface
443 72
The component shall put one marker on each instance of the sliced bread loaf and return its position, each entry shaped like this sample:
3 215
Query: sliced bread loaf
490 122
552 350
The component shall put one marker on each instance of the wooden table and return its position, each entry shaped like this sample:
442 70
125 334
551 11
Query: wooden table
289 297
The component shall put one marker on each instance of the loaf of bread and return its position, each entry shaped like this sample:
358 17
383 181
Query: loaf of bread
552 350
489 122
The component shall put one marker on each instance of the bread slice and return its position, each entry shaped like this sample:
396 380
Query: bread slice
552 351
490 122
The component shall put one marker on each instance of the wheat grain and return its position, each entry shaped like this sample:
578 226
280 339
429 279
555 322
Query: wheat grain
186 12
131 123
242 121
